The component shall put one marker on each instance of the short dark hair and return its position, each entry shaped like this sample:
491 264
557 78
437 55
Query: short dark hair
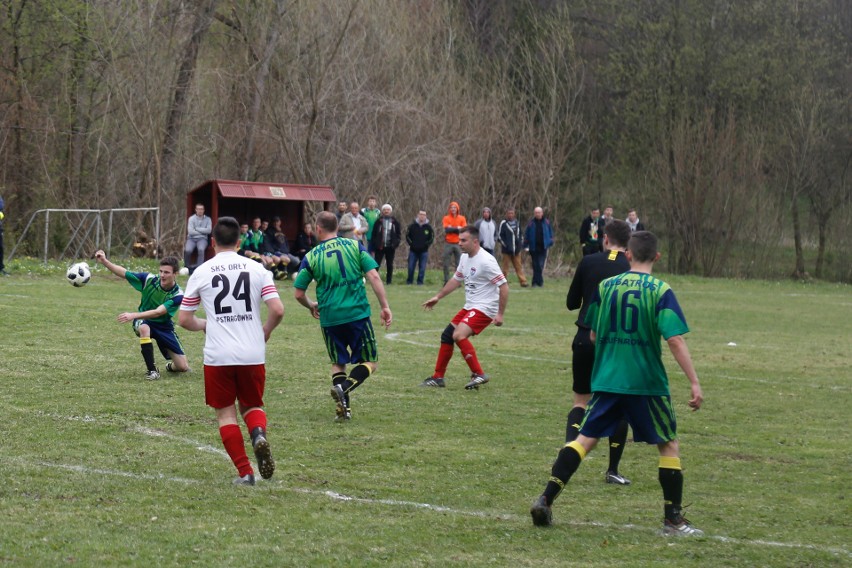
471 230
226 232
643 246
618 232
327 221
170 261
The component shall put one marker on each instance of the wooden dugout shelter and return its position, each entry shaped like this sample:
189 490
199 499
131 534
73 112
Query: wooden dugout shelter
246 200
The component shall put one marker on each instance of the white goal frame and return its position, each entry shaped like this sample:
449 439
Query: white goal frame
96 225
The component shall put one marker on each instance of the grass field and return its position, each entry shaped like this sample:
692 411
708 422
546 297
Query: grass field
104 468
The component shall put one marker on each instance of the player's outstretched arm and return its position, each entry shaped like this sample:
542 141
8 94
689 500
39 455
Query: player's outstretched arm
677 345
119 271
379 290
451 285
147 314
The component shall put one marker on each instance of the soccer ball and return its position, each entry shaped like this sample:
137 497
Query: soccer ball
184 271
78 274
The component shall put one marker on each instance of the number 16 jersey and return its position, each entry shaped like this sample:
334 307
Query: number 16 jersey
230 288
629 313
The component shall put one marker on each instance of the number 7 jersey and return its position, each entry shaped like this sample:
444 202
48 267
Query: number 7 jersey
629 313
338 265
230 288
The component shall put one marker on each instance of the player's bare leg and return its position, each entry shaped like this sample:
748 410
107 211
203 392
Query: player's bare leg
177 363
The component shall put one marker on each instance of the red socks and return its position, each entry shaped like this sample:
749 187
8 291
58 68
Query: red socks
445 353
254 419
469 354
232 439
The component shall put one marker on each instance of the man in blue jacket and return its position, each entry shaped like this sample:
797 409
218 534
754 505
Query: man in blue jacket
538 237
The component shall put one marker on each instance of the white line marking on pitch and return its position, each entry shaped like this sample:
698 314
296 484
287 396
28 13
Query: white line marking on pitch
437 508
391 502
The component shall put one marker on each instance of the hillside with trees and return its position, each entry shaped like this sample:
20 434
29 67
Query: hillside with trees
728 125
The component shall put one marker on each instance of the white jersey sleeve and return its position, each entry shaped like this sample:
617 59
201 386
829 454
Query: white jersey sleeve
230 288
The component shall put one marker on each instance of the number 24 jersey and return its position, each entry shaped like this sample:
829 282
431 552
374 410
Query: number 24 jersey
230 288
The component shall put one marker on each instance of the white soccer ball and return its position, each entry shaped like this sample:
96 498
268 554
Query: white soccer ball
184 271
78 274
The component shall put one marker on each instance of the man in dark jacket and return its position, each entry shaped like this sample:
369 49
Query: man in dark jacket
420 236
305 240
591 233
387 235
511 245
591 271
538 237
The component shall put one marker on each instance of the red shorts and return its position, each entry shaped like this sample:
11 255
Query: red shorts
224 385
476 320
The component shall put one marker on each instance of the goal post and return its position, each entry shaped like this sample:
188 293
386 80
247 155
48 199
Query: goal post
68 233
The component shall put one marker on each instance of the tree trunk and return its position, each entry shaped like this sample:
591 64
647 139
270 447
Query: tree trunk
168 177
799 272
260 90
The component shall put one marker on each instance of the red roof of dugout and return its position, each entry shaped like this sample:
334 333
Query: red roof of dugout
267 190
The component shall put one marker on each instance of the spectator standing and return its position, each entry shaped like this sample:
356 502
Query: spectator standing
2 216
305 240
633 221
198 230
487 231
511 246
353 225
419 236
342 209
452 222
591 233
387 234
371 213
234 344
538 238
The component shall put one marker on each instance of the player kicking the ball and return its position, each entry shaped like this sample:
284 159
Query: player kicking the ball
627 316
230 288
161 297
339 266
486 293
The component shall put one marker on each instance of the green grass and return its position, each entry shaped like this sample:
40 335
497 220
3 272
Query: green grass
101 467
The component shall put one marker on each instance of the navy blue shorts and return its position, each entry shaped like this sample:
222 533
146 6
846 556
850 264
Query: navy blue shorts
353 342
652 418
165 336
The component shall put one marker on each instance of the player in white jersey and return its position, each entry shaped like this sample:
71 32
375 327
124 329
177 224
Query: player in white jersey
230 287
486 294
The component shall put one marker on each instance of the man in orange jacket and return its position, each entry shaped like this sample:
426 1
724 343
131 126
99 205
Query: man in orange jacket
453 223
